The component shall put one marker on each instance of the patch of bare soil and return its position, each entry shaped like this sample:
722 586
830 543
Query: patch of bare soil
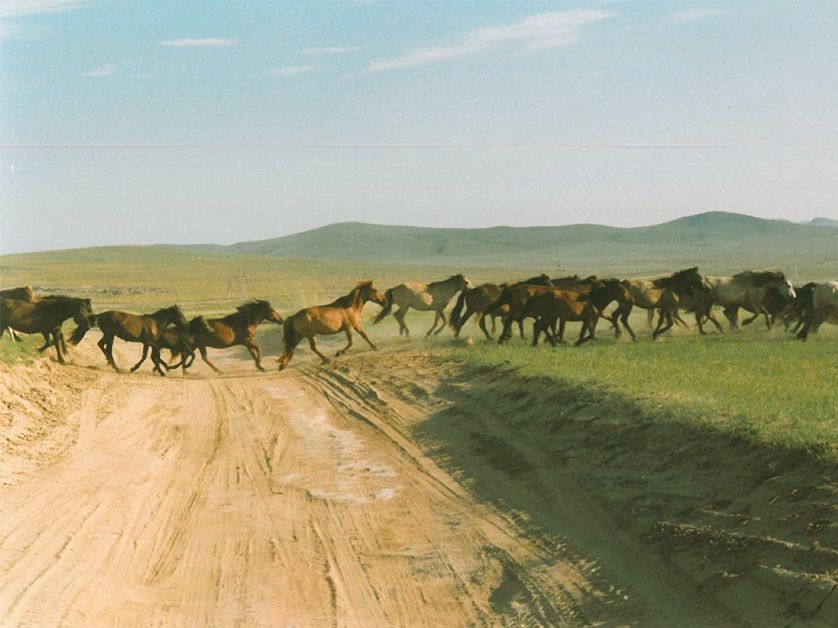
681 522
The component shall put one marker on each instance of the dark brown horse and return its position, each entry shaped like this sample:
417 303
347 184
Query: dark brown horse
235 329
23 293
478 299
423 297
601 294
144 328
343 314
181 342
663 294
515 298
45 317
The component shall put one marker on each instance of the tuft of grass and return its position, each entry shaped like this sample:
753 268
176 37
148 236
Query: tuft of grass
761 386
24 351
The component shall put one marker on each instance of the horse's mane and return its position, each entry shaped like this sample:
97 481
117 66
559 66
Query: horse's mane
674 278
539 280
164 310
760 277
247 308
198 324
452 277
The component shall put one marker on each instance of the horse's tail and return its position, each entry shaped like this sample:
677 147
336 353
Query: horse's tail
290 335
78 334
388 307
454 319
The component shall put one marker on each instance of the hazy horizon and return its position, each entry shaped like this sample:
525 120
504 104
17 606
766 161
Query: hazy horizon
213 122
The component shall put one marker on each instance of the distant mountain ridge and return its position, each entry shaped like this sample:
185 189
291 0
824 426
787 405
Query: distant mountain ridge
722 237
716 241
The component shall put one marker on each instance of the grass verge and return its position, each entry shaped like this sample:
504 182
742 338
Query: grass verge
763 387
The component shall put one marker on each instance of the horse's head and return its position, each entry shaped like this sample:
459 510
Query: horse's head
84 317
689 279
198 325
461 282
786 291
177 317
259 310
367 292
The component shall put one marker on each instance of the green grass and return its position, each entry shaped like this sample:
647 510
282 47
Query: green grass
763 386
24 351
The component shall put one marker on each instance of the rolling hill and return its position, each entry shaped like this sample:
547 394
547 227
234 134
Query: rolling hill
717 240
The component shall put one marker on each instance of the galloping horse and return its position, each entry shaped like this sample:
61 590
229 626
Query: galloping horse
423 297
748 290
514 299
181 342
663 294
144 328
824 308
343 314
45 317
478 299
23 293
234 329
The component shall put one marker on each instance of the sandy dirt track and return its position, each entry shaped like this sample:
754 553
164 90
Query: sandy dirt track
314 498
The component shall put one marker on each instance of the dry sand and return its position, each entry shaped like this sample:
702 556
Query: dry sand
388 489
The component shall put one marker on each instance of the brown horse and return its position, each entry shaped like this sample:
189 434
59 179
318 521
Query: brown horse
144 328
663 294
478 299
601 294
423 297
181 342
550 306
515 298
343 314
23 293
45 317
235 329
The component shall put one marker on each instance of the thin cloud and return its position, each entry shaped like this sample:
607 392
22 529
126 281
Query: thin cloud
105 70
694 15
330 50
290 70
15 8
198 43
554 29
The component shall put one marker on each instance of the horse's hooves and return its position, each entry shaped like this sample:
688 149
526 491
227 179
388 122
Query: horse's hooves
261 368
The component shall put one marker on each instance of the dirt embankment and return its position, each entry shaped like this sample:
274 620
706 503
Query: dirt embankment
397 488
753 529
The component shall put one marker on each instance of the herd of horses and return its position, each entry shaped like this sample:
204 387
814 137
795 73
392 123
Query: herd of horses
551 303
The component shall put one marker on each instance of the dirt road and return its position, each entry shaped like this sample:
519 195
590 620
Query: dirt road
310 498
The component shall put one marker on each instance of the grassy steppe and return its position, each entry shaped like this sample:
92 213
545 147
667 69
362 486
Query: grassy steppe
758 385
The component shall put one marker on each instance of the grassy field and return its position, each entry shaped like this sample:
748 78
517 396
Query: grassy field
755 384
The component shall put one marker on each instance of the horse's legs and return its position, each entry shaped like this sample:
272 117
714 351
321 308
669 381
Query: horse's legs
204 357
155 358
63 341
442 326
482 324
650 318
664 313
313 345
57 342
399 316
506 331
562 323
462 322
255 353
340 352
436 320
521 328
624 319
360 330
106 345
142 359
764 312
732 315
47 342
494 323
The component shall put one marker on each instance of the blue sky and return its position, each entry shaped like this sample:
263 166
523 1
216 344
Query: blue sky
140 122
